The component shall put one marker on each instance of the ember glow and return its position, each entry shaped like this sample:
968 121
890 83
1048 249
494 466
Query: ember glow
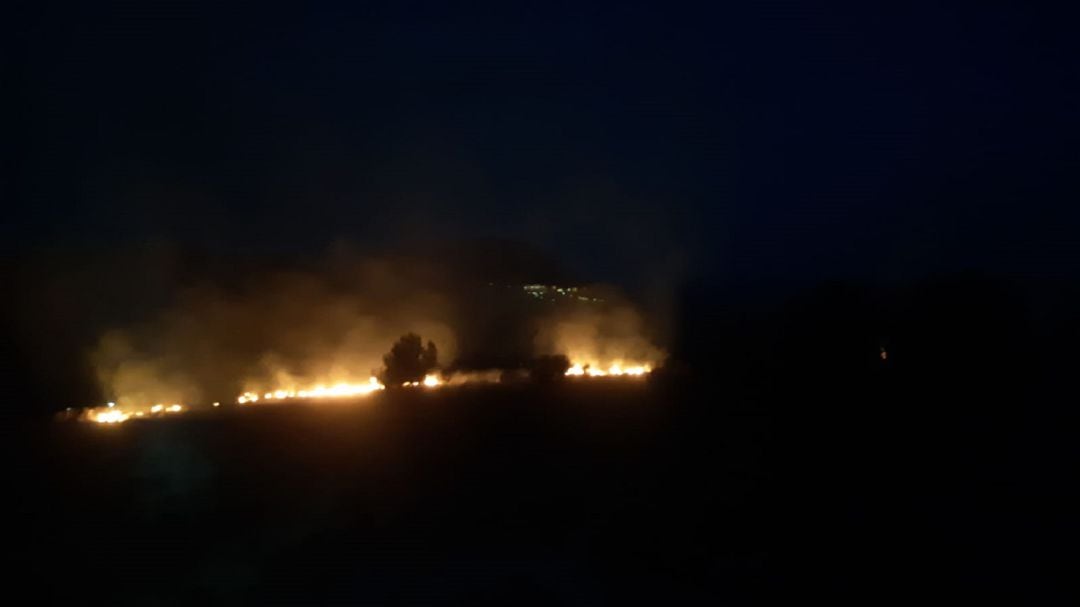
337 390
617 369
113 414
109 416
320 391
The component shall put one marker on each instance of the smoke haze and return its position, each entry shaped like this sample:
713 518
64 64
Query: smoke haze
158 326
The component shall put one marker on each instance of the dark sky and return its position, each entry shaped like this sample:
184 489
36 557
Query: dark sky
786 141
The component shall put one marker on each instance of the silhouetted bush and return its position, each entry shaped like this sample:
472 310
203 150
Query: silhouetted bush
408 360
549 368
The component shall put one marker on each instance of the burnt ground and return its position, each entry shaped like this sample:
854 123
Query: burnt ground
582 493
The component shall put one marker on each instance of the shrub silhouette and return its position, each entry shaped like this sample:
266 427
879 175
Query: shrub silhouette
408 360
549 368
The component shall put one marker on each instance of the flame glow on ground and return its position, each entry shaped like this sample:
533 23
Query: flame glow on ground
112 414
613 370
337 390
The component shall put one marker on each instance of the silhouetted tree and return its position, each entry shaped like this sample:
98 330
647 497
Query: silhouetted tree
549 368
408 360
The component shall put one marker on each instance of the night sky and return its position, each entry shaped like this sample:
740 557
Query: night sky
779 141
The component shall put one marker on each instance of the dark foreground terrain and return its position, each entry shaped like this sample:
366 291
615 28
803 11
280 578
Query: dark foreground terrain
665 492
529 494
